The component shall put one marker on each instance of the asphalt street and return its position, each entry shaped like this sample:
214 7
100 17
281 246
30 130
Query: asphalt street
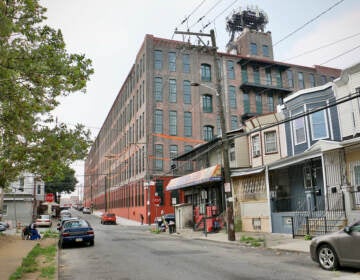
133 252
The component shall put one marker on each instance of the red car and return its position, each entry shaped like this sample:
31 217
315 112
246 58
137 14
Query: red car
108 218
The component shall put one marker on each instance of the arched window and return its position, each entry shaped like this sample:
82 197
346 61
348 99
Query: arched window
205 72
207 103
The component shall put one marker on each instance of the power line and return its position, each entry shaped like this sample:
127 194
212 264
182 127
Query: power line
323 46
206 13
308 22
346 52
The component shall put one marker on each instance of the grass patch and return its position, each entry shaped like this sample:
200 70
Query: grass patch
50 234
31 263
307 237
252 241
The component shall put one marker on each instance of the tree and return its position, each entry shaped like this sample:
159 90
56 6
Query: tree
60 184
36 69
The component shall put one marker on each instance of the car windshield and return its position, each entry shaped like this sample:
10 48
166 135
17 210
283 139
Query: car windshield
110 215
45 217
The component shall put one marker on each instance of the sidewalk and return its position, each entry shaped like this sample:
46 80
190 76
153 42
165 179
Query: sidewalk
273 241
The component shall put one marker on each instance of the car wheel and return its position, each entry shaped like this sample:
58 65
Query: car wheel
327 257
101 222
91 243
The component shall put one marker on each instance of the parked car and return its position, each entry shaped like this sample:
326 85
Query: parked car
76 231
108 218
167 217
65 213
3 227
43 220
63 220
338 248
86 210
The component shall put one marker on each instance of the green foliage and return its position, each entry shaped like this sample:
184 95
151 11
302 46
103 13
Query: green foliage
65 183
29 263
36 69
307 237
50 234
252 241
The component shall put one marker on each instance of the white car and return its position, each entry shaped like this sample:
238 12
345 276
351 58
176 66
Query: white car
86 210
43 220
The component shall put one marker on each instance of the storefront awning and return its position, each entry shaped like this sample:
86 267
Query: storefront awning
211 174
246 171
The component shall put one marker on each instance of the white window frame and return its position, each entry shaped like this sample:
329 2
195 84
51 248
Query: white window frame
272 143
325 124
255 145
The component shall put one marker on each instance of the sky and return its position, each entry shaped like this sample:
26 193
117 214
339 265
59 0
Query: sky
110 33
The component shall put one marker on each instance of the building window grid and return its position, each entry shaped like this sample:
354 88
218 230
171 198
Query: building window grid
158 124
205 72
234 122
265 50
253 49
207 103
299 130
270 100
187 92
159 154
255 140
246 101
173 123
187 124
158 89
186 63
268 76
301 82
290 78
172 91
256 73
258 99
232 97
172 61
208 131
230 70
158 59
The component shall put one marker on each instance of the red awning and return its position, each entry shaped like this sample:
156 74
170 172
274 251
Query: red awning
206 175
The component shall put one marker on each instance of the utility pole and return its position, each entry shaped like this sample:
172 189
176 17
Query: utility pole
225 143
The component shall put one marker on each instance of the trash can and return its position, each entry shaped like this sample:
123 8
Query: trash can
171 227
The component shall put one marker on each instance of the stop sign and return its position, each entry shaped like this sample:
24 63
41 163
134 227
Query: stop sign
49 197
157 200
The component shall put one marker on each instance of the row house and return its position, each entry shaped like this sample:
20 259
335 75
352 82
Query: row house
158 115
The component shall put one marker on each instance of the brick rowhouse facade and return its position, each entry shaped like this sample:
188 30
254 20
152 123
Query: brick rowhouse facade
157 115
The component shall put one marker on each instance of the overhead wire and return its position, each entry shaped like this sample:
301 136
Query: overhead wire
342 54
206 13
308 22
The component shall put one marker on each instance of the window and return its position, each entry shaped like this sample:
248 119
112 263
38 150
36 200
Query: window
158 124
173 151
256 73
234 122
244 74
301 80
187 124
186 63
299 128
258 100
38 189
278 78
290 78
253 49
208 131
265 50
172 90
255 140
312 80
268 76
230 70
173 123
158 89
323 79
172 61
270 103
187 92
270 142
4 210
246 101
158 60
205 72
232 97
159 154
21 183
207 103
232 151
318 125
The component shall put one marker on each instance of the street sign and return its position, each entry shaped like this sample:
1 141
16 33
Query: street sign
49 197
157 200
